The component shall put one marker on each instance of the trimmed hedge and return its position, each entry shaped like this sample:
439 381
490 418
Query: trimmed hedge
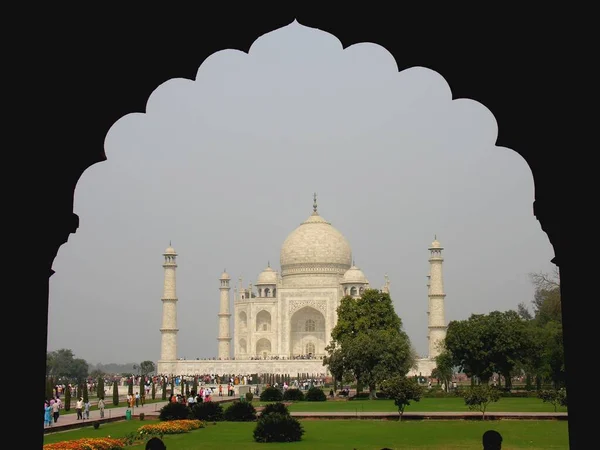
240 412
175 411
275 408
208 411
295 395
271 394
315 394
277 427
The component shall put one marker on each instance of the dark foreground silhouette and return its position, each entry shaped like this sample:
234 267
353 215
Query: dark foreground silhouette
492 440
155 444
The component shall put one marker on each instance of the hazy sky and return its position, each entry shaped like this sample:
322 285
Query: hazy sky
225 167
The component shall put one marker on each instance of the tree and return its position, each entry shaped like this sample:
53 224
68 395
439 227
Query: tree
164 389
402 390
49 387
465 343
546 302
488 344
142 390
130 385
444 367
154 390
368 340
335 363
546 359
195 387
85 393
115 393
147 367
63 364
68 398
558 397
478 398
97 373
100 387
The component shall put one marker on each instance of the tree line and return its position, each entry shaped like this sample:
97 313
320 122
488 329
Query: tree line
369 345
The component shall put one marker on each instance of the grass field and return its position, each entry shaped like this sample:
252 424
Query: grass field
353 434
451 404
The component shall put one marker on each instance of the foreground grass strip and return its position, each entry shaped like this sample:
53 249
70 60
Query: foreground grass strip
358 434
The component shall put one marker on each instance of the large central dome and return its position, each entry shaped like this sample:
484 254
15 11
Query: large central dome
315 247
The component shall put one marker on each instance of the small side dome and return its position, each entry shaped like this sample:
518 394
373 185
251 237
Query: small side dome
225 276
354 276
170 251
267 276
435 244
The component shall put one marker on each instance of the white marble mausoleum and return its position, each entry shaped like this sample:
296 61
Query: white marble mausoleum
283 322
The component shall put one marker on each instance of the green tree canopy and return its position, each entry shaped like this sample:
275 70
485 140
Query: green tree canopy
63 364
546 356
486 344
147 367
368 340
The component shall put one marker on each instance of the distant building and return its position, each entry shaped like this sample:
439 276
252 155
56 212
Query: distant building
283 323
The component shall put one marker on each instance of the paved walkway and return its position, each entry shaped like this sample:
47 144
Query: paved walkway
151 410
70 421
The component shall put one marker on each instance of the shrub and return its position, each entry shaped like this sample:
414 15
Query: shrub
249 396
96 425
240 412
142 416
208 411
316 394
555 397
277 427
175 411
271 394
478 398
115 394
278 407
293 395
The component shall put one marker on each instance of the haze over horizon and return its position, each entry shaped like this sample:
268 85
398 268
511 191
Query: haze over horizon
225 166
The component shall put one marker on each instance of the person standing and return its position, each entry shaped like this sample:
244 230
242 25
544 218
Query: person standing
101 407
86 409
56 411
79 408
47 414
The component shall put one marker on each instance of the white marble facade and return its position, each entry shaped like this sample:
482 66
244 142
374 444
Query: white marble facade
283 323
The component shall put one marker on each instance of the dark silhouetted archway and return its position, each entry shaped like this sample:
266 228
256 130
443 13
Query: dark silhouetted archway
92 70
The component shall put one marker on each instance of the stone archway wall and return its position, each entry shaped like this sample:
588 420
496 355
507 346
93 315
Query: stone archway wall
515 86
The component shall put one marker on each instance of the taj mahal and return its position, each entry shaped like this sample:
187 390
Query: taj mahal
283 322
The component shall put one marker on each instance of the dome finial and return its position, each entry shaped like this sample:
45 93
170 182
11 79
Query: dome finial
435 237
268 263
169 242
315 203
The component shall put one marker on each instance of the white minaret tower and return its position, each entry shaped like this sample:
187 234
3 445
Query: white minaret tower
437 321
224 318
168 330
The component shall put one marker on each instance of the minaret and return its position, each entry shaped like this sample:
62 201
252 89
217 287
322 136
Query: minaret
386 287
168 330
224 318
437 322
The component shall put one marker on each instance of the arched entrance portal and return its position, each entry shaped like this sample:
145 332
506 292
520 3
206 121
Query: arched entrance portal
307 339
263 348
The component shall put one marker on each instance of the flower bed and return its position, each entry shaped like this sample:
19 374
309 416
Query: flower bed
143 433
88 444
171 427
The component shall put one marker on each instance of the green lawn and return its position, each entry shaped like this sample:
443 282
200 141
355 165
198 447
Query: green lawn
354 434
452 404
